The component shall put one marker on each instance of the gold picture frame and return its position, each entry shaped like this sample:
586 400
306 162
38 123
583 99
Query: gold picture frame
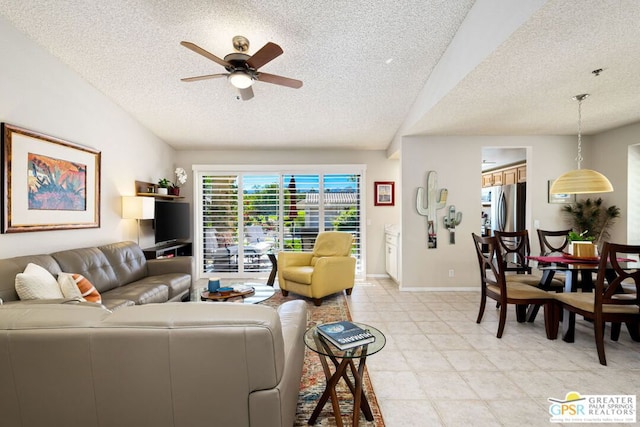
48 183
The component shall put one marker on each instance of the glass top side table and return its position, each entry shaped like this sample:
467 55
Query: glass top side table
341 360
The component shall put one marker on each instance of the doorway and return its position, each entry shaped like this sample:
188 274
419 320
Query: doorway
504 172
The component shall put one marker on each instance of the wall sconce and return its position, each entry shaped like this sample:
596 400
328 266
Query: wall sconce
137 207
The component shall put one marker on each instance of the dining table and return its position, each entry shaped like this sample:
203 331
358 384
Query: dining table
578 273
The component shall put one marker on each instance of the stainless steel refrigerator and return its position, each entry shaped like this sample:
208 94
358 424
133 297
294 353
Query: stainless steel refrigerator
508 207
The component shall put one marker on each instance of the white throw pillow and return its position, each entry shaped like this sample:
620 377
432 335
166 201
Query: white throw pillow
37 283
68 286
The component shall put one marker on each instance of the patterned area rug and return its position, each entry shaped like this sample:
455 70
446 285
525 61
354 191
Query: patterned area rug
332 309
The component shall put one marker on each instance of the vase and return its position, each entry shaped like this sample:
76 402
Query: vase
163 191
583 249
174 191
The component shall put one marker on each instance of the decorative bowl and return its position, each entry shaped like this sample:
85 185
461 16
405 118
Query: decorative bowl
225 291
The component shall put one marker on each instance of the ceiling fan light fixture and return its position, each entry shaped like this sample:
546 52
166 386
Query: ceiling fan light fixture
581 181
240 79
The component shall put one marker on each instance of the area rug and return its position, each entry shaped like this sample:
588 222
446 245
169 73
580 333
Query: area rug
333 308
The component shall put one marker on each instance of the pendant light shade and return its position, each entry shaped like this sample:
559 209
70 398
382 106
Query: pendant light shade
581 181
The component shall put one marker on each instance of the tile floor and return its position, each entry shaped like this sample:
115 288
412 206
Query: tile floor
440 368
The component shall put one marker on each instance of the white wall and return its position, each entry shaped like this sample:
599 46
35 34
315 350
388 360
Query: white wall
609 156
379 168
40 93
458 163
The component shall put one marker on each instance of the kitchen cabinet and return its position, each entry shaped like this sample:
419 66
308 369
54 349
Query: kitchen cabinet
498 178
522 173
505 176
392 259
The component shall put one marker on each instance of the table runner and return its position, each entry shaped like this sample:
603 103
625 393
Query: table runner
564 260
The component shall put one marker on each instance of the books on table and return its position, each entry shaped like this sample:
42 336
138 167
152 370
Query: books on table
345 334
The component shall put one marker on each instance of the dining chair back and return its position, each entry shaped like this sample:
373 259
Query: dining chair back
609 302
553 241
494 285
515 249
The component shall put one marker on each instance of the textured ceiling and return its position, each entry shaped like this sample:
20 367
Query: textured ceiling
352 97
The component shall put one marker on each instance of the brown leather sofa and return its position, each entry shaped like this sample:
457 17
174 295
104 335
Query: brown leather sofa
175 364
119 271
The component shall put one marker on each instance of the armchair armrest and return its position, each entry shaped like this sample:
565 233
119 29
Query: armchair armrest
181 264
337 269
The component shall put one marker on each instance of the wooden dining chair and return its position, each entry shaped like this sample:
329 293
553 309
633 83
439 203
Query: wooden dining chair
515 248
553 241
609 302
493 284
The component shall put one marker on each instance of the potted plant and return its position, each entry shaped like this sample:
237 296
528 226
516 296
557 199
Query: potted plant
163 186
181 178
590 220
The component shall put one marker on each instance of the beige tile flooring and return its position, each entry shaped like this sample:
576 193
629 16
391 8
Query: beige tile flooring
440 368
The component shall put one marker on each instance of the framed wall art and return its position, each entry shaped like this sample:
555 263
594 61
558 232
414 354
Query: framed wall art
48 183
559 198
384 193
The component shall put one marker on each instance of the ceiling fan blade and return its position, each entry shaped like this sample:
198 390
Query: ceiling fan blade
197 49
246 94
279 80
208 76
267 53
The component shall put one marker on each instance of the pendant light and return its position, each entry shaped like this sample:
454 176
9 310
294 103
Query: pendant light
581 181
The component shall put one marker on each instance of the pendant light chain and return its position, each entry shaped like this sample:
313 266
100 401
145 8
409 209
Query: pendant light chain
581 181
579 159
580 98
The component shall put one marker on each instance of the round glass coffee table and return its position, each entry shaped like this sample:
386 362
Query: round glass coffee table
260 293
343 359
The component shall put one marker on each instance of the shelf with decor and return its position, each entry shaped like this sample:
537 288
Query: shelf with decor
150 189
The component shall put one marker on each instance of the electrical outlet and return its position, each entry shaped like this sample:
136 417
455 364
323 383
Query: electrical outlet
536 224
451 273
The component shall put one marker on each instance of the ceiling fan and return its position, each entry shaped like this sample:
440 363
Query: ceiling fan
242 69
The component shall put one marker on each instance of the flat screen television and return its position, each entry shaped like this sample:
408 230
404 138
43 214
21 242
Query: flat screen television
172 221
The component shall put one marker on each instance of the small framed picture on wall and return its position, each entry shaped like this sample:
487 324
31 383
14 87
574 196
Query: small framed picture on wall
384 193
559 198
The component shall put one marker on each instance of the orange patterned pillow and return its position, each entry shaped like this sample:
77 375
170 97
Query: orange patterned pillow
88 291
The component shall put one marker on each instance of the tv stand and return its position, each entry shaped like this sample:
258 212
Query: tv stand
168 250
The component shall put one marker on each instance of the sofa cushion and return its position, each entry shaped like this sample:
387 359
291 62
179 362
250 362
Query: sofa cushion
37 283
298 274
11 267
86 288
68 286
127 260
116 303
139 293
91 263
177 283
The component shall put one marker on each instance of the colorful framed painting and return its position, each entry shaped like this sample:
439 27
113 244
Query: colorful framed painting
384 193
48 183
559 198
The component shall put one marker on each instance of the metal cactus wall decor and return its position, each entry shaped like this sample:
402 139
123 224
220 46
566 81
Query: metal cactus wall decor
429 211
451 221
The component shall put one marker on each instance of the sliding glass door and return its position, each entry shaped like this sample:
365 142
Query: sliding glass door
244 216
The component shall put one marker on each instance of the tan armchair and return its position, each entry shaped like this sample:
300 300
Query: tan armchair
330 268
